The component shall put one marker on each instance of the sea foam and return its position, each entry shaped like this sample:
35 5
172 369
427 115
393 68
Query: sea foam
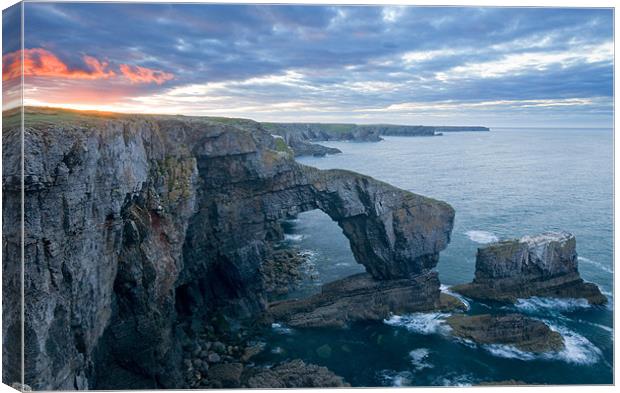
454 379
577 349
446 289
550 305
293 238
482 237
396 378
419 358
281 329
421 323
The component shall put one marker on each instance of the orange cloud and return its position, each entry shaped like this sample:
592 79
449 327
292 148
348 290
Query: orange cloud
137 74
41 62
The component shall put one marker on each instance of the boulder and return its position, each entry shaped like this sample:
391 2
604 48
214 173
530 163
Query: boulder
225 375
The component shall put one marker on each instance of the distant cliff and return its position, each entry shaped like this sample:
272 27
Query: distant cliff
299 136
134 223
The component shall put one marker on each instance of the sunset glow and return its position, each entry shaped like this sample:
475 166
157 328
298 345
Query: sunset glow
408 65
41 62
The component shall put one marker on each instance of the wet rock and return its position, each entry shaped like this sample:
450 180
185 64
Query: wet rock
282 272
252 351
303 148
214 358
219 347
542 265
361 297
517 330
294 374
226 375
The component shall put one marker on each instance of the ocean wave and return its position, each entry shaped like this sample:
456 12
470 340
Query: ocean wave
577 349
281 329
465 341
482 237
421 323
308 254
598 325
446 289
419 358
293 238
550 305
599 265
508 351
396 378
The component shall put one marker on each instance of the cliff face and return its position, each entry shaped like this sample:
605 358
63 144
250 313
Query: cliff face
299 136
134 222
542 265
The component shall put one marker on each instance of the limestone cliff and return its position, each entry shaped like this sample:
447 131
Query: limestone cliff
135 222
542 265
300 136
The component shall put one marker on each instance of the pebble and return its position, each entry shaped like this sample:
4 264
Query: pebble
213 358
219 347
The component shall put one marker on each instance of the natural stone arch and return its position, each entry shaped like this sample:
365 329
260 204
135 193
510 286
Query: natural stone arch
392 232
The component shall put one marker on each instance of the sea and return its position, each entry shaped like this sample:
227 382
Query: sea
505 183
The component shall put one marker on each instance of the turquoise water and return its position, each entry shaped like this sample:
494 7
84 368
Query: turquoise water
502 184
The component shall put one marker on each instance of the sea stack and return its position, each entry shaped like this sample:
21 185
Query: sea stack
541 265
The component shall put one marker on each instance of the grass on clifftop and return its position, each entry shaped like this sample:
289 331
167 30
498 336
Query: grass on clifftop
336 128
47 116
43 116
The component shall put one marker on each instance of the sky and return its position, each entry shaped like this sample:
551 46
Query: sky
362 64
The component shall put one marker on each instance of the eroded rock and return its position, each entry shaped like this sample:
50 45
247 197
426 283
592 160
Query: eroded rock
361 297
542 265
294 374
136 222
517 330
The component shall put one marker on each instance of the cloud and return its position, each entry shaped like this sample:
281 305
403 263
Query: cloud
321 61
531 61
41 62
137 74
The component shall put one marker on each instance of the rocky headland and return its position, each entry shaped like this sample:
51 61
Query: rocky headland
543 265
143 233
301 136
151 249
